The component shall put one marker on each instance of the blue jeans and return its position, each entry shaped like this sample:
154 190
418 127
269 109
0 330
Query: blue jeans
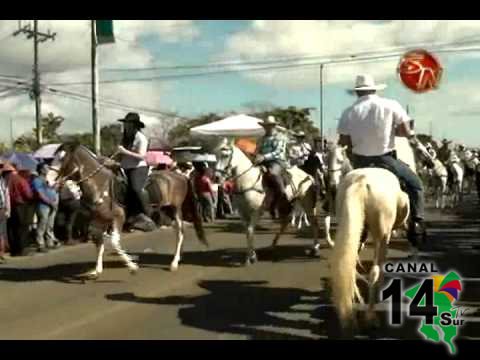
46 221
413 184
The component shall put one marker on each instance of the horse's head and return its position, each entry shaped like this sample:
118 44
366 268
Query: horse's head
66 163
224 153
337 162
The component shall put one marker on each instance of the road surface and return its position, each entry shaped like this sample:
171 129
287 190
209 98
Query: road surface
212 296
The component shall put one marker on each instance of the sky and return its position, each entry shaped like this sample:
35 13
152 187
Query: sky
450 111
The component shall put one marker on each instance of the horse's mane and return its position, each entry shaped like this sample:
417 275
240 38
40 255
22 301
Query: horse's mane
71 146
68 147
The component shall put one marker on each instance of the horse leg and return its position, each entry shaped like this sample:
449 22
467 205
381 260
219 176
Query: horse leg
283 226
251 255
376 275
117 247
315 250
327 222
100 244
178 228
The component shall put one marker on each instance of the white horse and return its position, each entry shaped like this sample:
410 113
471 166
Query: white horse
339 166
456 168
249 194
470 165
435 176
368 198
440 176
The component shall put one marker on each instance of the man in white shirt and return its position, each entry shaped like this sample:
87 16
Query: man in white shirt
133 151
369 127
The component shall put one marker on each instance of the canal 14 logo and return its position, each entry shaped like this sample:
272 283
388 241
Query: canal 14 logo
431 299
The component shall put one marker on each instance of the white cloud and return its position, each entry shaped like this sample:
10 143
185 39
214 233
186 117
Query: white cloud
292 38
67 59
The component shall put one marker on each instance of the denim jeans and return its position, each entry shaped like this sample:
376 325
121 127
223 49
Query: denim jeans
46 221
413 184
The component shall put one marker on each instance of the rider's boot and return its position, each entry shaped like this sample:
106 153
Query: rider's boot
416 233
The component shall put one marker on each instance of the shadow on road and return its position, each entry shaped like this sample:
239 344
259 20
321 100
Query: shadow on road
73 273
243 308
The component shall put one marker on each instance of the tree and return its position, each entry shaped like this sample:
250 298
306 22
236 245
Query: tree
291 118
50 125
180 134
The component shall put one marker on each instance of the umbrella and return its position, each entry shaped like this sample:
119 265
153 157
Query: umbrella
155 158
22 161
46 151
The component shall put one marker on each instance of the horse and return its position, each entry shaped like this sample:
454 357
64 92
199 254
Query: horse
437 173
470 163
371 200
456 184
249 194
338 165
101 192
314 167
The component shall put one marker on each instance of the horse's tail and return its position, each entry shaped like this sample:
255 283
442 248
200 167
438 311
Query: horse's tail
345 252
196 218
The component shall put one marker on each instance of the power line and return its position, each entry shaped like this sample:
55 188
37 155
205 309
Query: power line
351 59
116 103
291 59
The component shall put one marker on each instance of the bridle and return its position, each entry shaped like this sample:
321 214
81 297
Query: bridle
228 169
87 177
102 192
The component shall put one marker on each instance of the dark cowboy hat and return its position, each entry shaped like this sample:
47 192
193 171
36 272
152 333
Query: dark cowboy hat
133 118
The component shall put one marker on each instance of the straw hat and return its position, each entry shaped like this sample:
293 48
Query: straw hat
269 122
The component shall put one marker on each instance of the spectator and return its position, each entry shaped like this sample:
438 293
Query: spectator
204 190
4 215
21 216
71 206
224 205
46 209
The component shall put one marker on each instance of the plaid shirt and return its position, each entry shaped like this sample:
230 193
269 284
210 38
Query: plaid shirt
273 147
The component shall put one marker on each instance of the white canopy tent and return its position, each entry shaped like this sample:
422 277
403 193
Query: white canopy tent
236 125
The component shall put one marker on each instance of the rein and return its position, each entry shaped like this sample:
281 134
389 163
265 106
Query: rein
92 174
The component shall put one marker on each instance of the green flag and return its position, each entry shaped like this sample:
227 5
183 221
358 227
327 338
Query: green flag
104 30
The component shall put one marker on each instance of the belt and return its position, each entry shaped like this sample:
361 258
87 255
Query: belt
390 153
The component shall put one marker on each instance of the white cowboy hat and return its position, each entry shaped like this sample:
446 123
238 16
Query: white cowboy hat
366 82
299 134
270 121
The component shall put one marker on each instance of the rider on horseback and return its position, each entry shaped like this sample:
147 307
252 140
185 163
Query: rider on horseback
300 150
271 153
133 150
369 128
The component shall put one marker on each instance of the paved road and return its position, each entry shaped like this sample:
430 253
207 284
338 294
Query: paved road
211 296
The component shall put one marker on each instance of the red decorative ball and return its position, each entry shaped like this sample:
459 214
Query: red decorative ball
420 71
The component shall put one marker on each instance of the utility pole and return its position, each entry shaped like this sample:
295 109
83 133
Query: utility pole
95 123
321 105
38 37
11 134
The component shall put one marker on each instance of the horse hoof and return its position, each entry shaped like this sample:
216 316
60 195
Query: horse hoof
93 275
314 251
252 259
133 269
173 268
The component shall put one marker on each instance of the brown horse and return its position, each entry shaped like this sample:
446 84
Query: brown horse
98 184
